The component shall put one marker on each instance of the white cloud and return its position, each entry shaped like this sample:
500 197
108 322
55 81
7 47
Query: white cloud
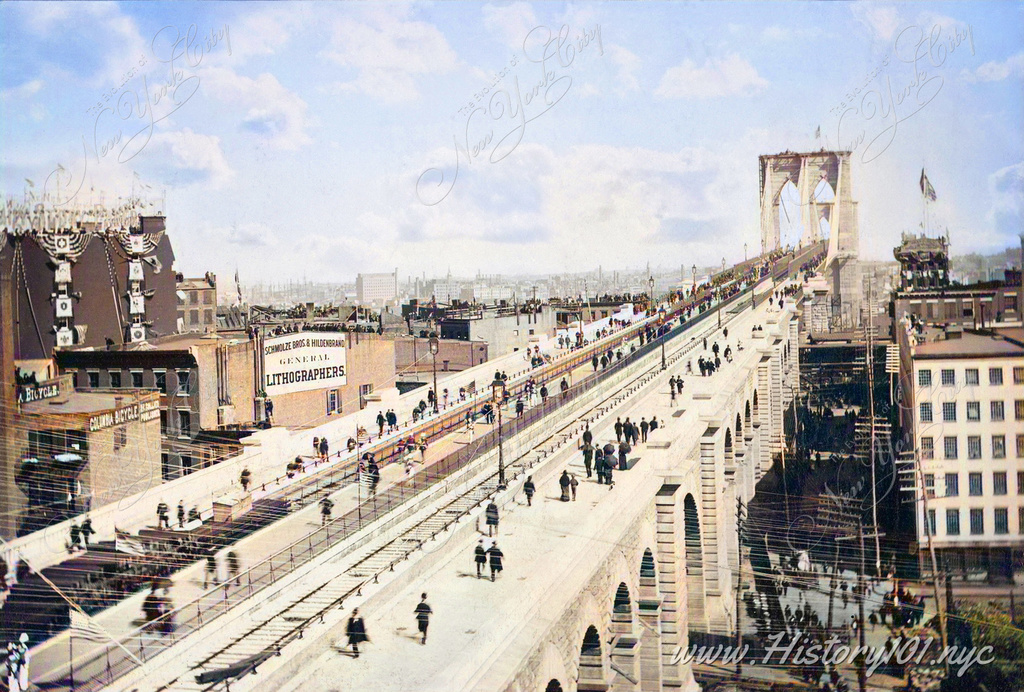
881 20
22 91
190 158
271 110
627 64
388 54
997 70
729 76
1006 214
250 234
511 23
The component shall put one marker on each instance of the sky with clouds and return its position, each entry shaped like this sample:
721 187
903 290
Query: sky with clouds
320 140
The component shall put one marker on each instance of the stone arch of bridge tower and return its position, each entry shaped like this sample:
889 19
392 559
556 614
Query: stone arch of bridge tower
746 412
593 655
728 448
739 428
755 404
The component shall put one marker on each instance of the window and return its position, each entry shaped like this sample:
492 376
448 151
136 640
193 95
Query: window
193 317
183 381
977 522
948 377
1020 482
968 309
926 412
163 421
999 446
927 448
332 401
995 376
996 411
1010 302
974 484
971 374
974 446
94 379
120 438
949 411
161 381
207 316
186 464
931 523
952 522
207 297
1020 519
952 485
999 483
1018 409
1020 446
193 298
137 379
951 311
1002 521
929 484
924 378
115 379
181 298
184 423
973 410
1018 374
949 447
364 391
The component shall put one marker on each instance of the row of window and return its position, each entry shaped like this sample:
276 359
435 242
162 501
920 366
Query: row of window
974 483
977 517
971 376
137 381
950 447
996 411
193 297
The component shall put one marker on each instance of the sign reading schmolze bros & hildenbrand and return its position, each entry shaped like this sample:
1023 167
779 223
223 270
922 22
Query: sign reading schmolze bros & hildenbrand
304 361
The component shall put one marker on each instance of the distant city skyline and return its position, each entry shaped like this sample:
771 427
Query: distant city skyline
312 139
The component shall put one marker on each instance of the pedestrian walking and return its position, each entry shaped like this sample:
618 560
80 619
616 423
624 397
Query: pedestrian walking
588 437
211 568
492 519
573 484
86 531
654 423
529 489
161 516
564 483
520 406
326 505
232 560
618 430
480 557
423 613
599 467
380 423
316 446
609 468
323 448
181 514
588 455
356 631
644 427
495 555
74 538
374 474
672 398
624 450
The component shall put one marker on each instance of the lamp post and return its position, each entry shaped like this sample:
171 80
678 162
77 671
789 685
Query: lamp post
744 252
661 311
497 396
435 346
650 293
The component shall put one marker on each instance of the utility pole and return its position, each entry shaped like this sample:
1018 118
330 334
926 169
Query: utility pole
862 676
870 329
939 605
739 585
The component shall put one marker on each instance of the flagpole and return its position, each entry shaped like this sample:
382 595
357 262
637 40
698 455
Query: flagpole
71 657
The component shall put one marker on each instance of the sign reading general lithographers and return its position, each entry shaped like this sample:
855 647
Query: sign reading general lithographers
304 361
146 411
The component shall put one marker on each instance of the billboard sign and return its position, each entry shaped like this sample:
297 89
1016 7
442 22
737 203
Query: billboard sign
304 361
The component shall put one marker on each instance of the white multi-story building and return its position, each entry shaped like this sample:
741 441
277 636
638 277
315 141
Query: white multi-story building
969 433
376 289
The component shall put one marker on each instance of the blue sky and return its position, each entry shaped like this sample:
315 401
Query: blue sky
295 139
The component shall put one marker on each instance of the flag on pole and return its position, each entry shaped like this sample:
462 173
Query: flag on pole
238 286
125 543
83 627
926 187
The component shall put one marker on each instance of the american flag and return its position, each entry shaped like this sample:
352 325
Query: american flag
926 187
83 627
125 543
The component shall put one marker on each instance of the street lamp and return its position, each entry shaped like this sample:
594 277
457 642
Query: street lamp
744 252
497 396
661 311
693 270
435 346
650 292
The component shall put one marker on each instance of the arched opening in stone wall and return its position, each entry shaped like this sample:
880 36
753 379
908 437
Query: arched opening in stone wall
755 402
739 427
647 565
591 660
694 563
728 449
746 412
591 643
553 686
622 603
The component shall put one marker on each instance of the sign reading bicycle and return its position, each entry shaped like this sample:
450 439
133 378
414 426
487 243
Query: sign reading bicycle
304 361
